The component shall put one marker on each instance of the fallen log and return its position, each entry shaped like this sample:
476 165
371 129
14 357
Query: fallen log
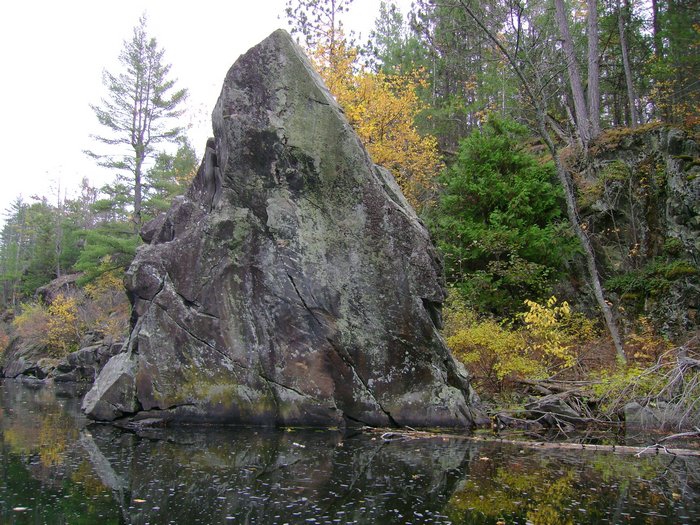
657 448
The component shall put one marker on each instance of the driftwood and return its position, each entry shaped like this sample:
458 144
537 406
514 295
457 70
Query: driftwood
665 395
657 448
620 449
551 386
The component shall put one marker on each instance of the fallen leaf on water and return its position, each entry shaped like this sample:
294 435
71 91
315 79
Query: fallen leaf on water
137 500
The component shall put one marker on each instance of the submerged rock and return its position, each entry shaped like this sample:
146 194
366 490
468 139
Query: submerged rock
293 284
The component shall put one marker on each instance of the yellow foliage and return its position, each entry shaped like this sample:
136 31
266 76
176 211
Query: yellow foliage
32 324
495 352
4 340
107 310
382 109
543 324
56 327
64 327
645 345
54 434
105 283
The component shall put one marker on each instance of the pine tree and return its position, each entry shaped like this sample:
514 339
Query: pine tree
169 177
138 111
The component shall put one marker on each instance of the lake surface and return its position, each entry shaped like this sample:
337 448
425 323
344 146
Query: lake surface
55 467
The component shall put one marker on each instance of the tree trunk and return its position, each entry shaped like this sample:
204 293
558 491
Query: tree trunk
58 244
628 70
593 69
18 258
572 212
656 28
580 109
137 192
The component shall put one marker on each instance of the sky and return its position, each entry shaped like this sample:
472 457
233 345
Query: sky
52 55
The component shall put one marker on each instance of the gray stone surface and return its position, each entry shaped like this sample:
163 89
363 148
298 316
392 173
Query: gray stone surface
85 364
293 285
113 395
644 214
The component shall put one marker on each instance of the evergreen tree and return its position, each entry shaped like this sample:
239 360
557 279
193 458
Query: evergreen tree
393 46
381 108
169 177
499 221
676 66
14 243
467 77
138 111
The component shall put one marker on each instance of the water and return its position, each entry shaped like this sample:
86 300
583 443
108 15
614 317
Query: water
57 468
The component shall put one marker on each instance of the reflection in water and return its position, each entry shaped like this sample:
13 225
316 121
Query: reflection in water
64 471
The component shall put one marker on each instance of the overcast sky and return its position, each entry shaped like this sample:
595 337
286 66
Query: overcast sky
52 55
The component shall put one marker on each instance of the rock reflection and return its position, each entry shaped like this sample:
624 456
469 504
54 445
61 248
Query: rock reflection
260 476
60 470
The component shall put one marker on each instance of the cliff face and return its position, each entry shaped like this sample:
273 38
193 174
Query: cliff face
293 284
642 208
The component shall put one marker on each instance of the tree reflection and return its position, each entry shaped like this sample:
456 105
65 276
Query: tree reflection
65 471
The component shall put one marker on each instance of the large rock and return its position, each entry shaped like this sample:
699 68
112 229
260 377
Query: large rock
293 285
642 210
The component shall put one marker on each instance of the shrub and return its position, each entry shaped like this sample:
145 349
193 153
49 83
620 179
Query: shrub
106 308
615 387
553 331
64 327
499 221
55 328
32 325
499 353
4 339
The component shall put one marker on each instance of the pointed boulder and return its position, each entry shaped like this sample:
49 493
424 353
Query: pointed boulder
293 284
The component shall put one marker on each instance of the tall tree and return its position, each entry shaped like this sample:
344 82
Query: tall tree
533 83
676 90
319 21
580 107
629 82
393 46
380 107
467 78
139 110
14 246
169 177
593 67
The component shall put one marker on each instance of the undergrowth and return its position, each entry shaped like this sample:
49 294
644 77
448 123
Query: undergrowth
549 343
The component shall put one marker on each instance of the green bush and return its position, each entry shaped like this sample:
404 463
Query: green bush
499 221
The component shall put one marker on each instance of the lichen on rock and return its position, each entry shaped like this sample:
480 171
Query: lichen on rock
293 284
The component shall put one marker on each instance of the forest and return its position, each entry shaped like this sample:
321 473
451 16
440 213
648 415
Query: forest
551 147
